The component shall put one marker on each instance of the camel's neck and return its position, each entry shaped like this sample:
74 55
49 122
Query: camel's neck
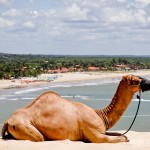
112 113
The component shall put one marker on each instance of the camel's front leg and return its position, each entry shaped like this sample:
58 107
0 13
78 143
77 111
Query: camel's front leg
25 132
95 136
111 139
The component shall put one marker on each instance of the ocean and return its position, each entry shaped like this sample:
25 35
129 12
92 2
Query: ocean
94 93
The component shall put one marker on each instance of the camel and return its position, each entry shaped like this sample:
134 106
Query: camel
51 117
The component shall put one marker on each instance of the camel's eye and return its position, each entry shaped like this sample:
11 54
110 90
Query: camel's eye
136 82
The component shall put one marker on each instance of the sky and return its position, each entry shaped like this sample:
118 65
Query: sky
75 27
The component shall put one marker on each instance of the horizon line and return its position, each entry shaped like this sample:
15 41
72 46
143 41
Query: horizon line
74 54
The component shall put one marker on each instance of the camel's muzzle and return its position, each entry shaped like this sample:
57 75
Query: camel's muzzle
145 85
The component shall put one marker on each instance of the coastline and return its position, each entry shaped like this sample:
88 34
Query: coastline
137 141
64 77
70 77
17 83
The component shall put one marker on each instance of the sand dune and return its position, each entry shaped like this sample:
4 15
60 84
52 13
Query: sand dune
138 141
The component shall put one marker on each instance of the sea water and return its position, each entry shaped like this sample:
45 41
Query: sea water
96 94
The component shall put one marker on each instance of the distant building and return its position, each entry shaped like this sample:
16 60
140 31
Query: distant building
122 67
62 70
93 69
50 71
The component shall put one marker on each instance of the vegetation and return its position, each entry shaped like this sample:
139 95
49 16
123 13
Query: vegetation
14 65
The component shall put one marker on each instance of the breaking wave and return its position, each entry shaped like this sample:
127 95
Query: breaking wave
143 100
65 86
137 115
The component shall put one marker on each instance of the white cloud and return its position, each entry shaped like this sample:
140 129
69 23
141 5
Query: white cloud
33 13
140 16
91 3
125 16
87 3
78 20
31 1
114 15
121 1
145 2
6 23
29 25
48 13
74 12
6 2
11 13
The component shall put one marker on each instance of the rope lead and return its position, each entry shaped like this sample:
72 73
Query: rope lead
138 97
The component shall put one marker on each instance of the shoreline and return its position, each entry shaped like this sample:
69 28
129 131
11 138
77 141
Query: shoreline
8 84
137 141
70 77
83 76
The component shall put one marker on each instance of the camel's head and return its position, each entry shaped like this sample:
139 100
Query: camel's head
137 83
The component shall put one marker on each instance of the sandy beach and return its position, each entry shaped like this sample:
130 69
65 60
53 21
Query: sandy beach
69 77
138 141
17 83
64 77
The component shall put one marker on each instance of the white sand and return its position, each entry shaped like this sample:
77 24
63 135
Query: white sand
8 84
79 76
138 141
69 77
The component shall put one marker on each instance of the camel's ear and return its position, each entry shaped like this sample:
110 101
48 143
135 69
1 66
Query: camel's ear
124 77
127 78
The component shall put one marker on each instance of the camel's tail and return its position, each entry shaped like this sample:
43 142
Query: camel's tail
4 130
